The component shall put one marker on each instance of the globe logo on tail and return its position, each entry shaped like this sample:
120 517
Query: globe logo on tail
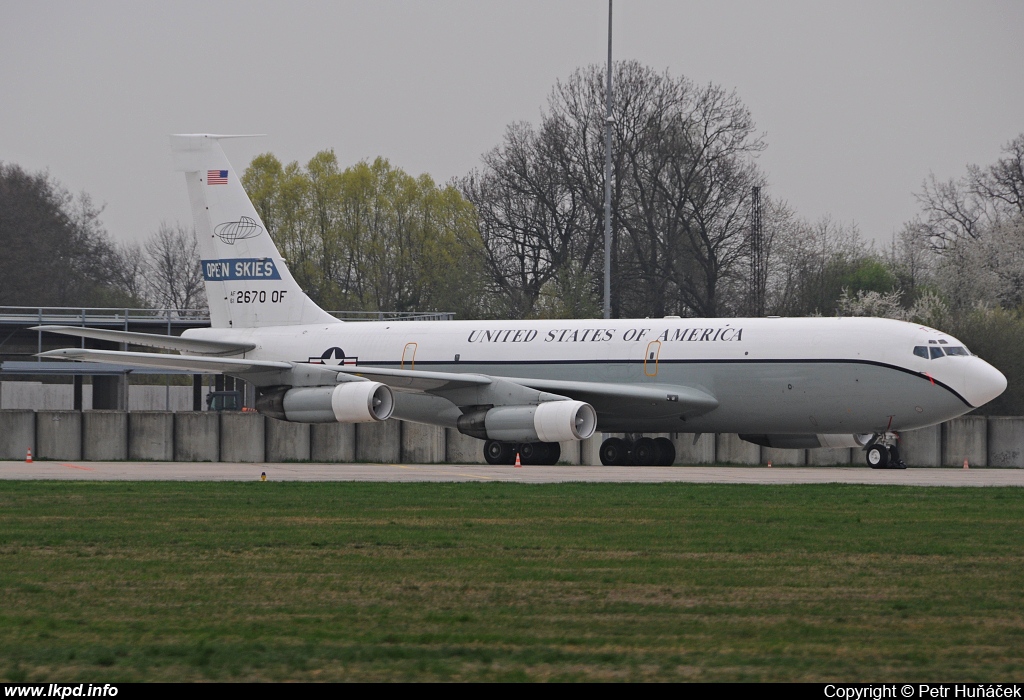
231 231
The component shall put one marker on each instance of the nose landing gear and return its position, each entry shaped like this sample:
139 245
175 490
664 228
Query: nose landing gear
884 453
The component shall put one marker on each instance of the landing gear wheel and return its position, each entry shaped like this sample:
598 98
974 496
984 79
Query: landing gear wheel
528 452
644 453
614 452
665 452
894 458
878 457
552 452
539 452
496 452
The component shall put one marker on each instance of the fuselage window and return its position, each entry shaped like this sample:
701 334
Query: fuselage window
921 351
936 352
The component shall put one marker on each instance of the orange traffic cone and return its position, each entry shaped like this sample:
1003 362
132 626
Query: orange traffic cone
965 463
518 463
28 456
769 464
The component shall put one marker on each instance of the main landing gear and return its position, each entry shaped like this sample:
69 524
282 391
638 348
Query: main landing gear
496 452
884 453
644 451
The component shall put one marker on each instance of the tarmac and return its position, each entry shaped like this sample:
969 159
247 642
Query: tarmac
225 471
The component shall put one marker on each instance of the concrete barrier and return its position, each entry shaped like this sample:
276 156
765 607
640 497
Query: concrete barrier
570 452
423 444
104 436
379 442
463 449
783 457
689 452
332 442
1005 441
59 435
197 437
242 437
832 456
590 450
729 449
151 436
286 441
17 434
963 438
922 447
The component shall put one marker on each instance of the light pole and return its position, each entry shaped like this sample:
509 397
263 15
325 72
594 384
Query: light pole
608 177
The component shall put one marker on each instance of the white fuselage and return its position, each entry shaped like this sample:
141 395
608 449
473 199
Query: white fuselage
770 375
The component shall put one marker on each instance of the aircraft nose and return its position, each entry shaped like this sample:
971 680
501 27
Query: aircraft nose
982 382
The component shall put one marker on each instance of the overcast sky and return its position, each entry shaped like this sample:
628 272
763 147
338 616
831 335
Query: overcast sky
858 101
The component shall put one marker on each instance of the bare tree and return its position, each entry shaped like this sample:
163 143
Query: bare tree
173 270
682 173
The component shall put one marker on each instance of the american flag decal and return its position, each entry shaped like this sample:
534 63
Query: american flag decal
216 177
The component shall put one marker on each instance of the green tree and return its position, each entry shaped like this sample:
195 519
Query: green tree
55 249
371 237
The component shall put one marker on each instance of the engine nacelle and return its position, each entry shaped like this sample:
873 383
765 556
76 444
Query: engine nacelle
348 402
811 440
552 421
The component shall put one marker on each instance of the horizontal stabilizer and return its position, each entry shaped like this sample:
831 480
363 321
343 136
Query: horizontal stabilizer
152 340
198 365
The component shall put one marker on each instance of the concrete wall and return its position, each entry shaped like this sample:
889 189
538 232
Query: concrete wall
590 450
963 438
921 447
463 449
570 452
729 449
104 436
423 444
1006 441
151 436
689 452
286 442
60 397
242 437
58 435
332 442
782 457
17 434
250 437
379 442
197 437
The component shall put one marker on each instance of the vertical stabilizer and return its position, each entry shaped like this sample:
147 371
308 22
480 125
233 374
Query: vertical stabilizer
247 282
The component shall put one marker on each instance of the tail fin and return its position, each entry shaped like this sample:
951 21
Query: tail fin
247 282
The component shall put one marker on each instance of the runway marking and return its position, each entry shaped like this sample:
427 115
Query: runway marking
75 466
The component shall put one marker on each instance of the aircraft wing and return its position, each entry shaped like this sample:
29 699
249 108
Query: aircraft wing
646 400
152 340
189 363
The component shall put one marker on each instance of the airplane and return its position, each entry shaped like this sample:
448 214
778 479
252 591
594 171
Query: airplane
525 386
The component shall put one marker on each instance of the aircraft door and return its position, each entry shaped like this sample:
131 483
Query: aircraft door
409 356
651 358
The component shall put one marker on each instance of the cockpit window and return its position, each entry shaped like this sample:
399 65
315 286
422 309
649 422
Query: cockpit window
936 352
921 351
956 350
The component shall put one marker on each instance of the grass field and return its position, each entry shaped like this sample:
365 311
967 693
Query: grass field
119 581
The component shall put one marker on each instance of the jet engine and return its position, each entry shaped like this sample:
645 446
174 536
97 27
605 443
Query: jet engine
797 442
552 421
348 402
